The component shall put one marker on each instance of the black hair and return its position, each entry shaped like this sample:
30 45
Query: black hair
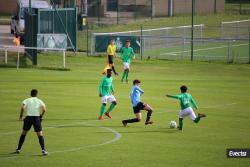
183 88
128 41
33 93
136 81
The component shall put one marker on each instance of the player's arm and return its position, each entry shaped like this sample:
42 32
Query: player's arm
140 90
100 88
133 53
173 96
43 109
108 50
194 103
112 89
120 55
21 112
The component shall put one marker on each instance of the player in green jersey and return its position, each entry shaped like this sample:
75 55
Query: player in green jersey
186 100
106 92
127 53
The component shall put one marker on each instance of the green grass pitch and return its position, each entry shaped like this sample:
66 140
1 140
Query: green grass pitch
75 138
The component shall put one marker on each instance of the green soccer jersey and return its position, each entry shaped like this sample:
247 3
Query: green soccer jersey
106 86
186 100
127 54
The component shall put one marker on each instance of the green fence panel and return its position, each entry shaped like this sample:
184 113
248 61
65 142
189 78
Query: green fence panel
59 21
102 42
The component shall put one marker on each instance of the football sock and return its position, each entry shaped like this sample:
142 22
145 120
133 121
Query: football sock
180 123
112 106
123 75
41 141
21 140
127 75
197 119
131 120
149 115
102 109
113 68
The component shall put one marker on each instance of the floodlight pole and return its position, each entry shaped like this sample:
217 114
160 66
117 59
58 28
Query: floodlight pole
117 12
192 31
151 9
249 45
29 5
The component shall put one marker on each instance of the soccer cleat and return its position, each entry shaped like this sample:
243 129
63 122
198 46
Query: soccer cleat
100 118
107 114
149 122
124 123
44 152
201 115
179 128
17 151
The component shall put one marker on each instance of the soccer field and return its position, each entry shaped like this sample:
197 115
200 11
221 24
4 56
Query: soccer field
74 137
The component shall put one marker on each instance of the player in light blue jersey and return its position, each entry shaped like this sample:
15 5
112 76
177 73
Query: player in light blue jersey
135 96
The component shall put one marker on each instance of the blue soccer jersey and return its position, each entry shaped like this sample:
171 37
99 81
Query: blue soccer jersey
135 95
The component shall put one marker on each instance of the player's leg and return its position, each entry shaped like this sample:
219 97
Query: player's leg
126 77
180 123
194 118
26 127
182 114
149 113
137 112
124 71
111 63
126 67
113 102
103 106
38 129
134 120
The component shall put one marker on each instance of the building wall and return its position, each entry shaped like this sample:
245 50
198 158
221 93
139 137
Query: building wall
160 7
8 6
201 6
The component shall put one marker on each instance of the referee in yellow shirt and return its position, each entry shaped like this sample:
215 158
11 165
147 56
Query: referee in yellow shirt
111 53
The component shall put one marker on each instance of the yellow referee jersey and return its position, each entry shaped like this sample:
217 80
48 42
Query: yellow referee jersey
111 50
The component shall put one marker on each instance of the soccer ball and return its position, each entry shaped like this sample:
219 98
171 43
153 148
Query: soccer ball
172 124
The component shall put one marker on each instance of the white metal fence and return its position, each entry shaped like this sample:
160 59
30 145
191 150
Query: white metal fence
6 49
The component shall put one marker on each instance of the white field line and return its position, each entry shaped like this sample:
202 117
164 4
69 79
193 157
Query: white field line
237 21
90 121
218 47
116 138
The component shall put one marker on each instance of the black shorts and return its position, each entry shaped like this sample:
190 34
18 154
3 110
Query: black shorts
110 59
140 106
32 120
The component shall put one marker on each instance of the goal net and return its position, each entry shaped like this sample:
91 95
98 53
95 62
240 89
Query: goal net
151 42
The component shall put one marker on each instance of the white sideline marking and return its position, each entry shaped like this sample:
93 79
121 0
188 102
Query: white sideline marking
218 47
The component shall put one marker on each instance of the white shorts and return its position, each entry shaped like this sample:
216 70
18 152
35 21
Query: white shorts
109 98
187 112
126 66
